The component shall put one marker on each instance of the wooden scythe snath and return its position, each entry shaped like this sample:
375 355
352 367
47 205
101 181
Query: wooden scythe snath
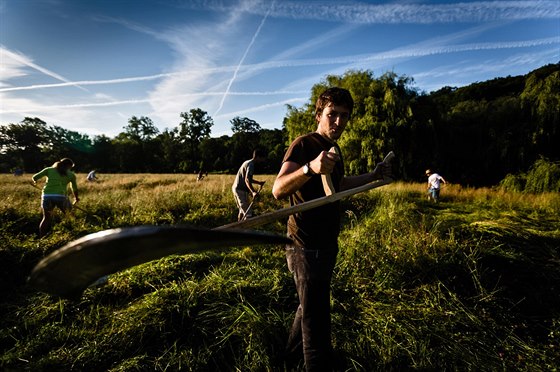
266 218
68 271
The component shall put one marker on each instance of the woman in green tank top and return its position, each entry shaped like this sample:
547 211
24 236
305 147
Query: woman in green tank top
55 191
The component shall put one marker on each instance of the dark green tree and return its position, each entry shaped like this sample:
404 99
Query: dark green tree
382 112
103 155
195 127
169 151
245 125
141 129
21 144
541 97
299 121
70 144
136 149
244 141
215 154
272 142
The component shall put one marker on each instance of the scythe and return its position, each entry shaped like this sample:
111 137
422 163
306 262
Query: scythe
68 271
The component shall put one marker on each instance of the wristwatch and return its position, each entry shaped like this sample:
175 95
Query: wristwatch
307 170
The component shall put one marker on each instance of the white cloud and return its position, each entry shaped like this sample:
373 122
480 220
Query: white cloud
460 74
191 76
17 61
9 68
232 79
395 13
263 107
210 57
24 107
200 48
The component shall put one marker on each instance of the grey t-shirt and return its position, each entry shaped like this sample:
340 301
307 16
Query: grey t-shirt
246 170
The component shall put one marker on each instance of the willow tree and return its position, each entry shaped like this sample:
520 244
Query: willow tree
382 107
541 97
299 121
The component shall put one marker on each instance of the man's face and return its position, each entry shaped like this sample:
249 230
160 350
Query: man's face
332 121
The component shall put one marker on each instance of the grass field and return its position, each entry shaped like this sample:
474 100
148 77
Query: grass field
470 283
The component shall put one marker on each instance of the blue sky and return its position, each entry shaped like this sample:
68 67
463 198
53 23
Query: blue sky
90 65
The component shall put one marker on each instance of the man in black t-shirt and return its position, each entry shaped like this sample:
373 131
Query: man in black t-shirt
312 256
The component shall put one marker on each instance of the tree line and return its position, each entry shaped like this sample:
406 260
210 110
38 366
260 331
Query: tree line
475 135
141 147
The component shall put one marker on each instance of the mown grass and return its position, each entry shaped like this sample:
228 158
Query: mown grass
467 284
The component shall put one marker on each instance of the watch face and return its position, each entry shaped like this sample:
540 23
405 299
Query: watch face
307 170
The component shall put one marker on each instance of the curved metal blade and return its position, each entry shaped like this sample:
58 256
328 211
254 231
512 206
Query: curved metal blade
71 269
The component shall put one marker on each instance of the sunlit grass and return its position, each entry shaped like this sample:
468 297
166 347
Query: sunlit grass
465 284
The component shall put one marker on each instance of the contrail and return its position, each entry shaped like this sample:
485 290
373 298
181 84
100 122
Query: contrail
397 53
148 100
91 82
243 59
265 107
25 61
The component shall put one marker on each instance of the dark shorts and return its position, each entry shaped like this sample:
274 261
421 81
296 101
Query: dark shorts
49 202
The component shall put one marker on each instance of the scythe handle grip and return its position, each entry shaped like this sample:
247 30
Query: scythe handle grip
328 185
389 157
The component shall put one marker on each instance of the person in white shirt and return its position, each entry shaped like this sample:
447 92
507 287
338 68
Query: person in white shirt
91 177
434 185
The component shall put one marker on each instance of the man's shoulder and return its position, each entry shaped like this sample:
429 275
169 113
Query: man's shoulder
310 138
246 164
307 136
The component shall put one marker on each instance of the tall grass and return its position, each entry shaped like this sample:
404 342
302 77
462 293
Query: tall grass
447 282
466 284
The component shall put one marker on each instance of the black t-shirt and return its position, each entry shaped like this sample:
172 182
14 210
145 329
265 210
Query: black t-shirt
317 228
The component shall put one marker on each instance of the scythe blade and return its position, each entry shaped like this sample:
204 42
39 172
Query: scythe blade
68 271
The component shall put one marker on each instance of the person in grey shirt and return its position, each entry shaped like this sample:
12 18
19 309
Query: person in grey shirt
243 185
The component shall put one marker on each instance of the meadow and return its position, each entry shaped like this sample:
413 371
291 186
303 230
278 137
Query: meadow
470 283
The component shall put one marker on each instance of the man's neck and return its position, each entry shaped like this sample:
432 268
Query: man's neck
326 137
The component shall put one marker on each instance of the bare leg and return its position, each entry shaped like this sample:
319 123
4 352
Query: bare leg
45 224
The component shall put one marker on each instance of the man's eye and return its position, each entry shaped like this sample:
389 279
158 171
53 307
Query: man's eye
342 115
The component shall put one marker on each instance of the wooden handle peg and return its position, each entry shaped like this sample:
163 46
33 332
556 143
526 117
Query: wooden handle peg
326 178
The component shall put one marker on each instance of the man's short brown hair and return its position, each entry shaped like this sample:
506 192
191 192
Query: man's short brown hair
336 96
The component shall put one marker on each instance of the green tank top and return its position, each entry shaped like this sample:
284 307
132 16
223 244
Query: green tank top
56 184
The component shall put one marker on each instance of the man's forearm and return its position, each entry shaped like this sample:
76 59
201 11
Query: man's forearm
288 184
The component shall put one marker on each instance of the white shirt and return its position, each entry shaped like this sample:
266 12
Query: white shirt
435 181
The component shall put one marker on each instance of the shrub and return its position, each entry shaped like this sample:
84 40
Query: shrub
544 176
